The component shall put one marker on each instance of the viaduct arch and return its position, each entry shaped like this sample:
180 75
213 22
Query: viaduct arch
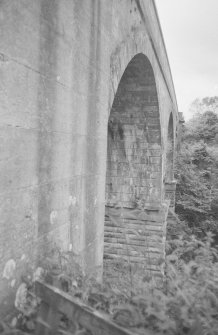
88 121
134 138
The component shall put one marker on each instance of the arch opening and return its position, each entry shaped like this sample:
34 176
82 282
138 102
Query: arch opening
134 167
134 139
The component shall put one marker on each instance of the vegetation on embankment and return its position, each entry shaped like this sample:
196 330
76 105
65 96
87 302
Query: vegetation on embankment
197 171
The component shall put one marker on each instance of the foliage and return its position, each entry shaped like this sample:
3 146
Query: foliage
203 127
187 300
192 283
185 303
197 172
200 106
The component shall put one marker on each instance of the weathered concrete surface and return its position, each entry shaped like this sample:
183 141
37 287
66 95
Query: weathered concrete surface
60 66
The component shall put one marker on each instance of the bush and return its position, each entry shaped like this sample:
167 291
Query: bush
186 303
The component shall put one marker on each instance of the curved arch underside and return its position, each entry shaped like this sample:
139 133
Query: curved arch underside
134 139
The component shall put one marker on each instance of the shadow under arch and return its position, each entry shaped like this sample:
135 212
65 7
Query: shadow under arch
134 163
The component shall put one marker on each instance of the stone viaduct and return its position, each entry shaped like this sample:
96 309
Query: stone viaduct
89 125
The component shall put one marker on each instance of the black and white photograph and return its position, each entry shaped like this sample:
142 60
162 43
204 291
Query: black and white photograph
109 167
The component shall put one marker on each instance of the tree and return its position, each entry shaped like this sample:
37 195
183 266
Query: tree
203 127
197 174
200 106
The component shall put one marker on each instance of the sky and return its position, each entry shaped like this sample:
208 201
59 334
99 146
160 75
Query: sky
190 29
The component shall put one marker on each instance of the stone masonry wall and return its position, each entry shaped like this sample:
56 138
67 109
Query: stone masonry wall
136 237
61 63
